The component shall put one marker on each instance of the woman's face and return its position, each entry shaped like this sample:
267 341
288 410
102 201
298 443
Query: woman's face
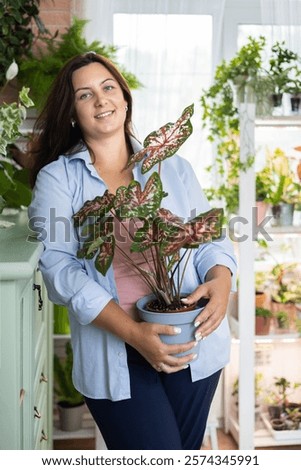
100 106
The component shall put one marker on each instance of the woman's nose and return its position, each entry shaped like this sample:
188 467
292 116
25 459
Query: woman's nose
100 99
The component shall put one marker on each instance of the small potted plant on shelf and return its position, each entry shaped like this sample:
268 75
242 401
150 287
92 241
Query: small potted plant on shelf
169 240
70 402
285 289
281 64
262 320
293 87
285 189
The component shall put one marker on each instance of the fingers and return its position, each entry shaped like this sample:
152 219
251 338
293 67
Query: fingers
209 319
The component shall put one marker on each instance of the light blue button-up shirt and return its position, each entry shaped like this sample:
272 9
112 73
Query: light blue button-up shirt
100 364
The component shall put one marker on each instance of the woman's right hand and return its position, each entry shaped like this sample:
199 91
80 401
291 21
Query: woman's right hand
161 356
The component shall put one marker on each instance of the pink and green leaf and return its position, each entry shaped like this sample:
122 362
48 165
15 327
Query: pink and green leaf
98 207
135 202
165 142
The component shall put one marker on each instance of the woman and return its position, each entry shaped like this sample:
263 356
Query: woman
140 394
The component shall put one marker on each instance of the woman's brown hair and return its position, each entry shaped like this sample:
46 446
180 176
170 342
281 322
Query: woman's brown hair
53 133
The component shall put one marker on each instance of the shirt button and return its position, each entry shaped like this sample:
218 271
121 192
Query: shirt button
120 354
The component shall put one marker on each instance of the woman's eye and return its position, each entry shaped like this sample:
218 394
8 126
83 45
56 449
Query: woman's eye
84 96
108 87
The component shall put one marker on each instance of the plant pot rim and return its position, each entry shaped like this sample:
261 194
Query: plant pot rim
178 315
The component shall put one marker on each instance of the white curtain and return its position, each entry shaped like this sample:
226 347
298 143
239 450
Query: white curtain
172 46
284 16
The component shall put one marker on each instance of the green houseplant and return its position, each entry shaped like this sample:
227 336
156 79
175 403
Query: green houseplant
234 81
262 320
70 401
14 181
169 240
17 35
40 69
281 63
162 232
284 188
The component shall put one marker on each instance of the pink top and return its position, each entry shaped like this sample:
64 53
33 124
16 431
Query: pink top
130 284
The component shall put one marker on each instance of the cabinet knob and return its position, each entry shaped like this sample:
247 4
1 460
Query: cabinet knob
38 288
43 378
22 395
44 436
37 414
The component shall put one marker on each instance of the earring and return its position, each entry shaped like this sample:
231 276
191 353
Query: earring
126 108
73 123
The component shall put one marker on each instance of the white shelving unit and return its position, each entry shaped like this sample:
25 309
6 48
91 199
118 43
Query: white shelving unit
249 430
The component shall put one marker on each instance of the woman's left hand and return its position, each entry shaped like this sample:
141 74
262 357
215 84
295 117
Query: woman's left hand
217 289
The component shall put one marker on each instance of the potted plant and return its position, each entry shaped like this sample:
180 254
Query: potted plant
282 319
14 181
262 320
285 189
277 398
293 87
285 290
169 240
281 63
70 402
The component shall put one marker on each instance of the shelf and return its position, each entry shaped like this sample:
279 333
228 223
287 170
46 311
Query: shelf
271 338
84 433
262 437
280 121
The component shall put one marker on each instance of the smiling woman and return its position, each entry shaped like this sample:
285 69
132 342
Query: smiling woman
138 388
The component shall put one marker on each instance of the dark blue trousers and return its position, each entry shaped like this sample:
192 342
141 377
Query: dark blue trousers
165 411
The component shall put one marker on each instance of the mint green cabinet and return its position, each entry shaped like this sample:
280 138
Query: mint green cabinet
25 343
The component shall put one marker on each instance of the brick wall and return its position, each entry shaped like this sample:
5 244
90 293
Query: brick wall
58 14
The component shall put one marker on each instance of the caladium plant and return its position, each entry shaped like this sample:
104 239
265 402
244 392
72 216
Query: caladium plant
164 236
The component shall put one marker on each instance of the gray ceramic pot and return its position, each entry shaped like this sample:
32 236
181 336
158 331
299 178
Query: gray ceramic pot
184 320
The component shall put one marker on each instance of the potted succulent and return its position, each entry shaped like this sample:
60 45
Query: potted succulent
262 320
168 239
70 402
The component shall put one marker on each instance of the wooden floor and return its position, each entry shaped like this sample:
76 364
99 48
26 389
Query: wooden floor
225 442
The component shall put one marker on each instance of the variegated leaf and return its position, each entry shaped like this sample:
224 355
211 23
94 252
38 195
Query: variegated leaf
105 256
98 207
165 142
204 228
135 202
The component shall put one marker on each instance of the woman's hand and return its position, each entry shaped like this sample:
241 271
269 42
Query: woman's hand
160 355
217 289
144 337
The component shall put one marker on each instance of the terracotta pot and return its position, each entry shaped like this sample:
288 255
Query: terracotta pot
262 208
262 325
